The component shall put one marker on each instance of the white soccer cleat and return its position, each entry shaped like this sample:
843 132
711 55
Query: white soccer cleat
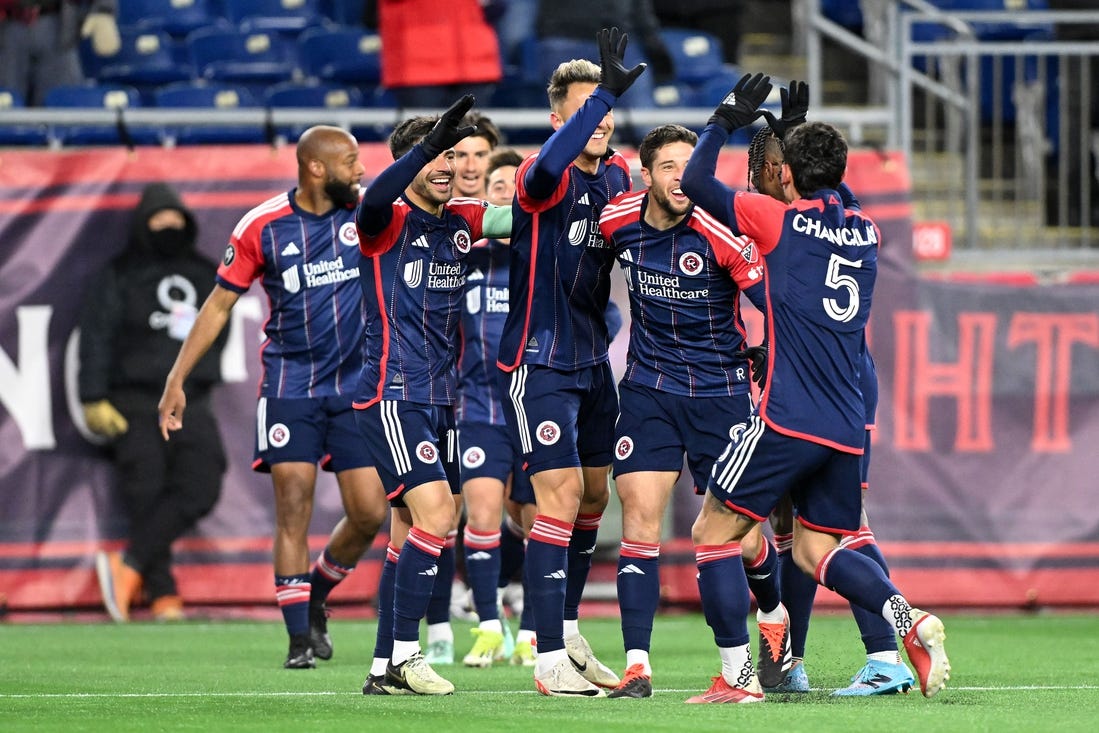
587 665
563 680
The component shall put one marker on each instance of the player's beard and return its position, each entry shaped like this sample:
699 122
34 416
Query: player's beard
666 204
341 193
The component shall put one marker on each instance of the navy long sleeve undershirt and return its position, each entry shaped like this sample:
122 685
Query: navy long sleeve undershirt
376 208
565 144
700 183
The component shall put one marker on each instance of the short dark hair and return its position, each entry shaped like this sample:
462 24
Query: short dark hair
503 157
817 155
408 133
660 136
486 128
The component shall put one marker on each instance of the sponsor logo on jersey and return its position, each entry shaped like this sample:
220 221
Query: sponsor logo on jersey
426 452
278 435
327 272
497 300
290 280
473 301
290 250
414 273
473 457
349 234
548 433
462 241
623 448
578 231
445 275
690 263
671 287
230 255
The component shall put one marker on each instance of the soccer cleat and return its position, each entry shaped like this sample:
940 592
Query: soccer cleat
795 680
119 584
416 676
564 680
722 692
300 655
318 631
440 652
878 678
925 646
523 654
508 647
375 685
167 608
486 645
590 668
775 657
635 683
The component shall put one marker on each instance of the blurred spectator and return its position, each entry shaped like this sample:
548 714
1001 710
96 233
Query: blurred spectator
514 24
561 23
39 42
720 18
434 51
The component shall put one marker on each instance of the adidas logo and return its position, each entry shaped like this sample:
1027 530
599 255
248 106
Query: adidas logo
480 555
556 575
532 344
476 275
631 570
420 241
584 200
431 571
589 551
290 249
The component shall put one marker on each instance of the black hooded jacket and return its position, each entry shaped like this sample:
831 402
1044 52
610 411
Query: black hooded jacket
138 309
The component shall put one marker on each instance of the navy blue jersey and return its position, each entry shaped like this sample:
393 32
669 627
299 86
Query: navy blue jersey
413 280
684 286
483 315
309 268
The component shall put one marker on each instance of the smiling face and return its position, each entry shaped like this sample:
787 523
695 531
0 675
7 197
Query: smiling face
470 164
667 203
501 185
578 93
431 188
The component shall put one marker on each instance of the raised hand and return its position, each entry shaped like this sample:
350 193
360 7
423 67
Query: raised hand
740 105
795 105
615 77
446 133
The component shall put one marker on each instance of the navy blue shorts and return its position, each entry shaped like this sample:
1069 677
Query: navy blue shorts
561 419
487 452
309 430
412 444
761 465
655 429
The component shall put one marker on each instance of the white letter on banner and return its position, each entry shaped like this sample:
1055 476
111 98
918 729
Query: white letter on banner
25 391
234 364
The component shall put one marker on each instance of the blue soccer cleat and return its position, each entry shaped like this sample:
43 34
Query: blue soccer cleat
878 678
796 680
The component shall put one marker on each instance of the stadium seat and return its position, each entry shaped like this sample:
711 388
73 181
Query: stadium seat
347 55
256 60
96 96
18 134
145 59
213 96
697 55
277 16
324 96
343 12
174 17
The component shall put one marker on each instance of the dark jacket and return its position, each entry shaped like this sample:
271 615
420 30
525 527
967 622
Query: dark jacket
138 309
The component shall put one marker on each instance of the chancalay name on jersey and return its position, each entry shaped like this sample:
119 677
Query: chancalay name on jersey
445 276
327 272
842 237
666 286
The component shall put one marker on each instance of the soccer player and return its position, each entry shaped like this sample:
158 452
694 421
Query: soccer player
303 246
807 434
686 382
470 164
415 239
561 404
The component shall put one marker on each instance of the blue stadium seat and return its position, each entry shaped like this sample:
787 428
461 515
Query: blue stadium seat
93 96
145 59
174 17
346 55
256 60
324 96
213 96
843 12
697 55
343 12
278 16
18 134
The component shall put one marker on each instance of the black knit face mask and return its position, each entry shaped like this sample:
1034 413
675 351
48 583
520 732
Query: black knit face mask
168 242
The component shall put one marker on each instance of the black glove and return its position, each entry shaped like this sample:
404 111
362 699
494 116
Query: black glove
446 133
757 357
738 109
615 77
795 105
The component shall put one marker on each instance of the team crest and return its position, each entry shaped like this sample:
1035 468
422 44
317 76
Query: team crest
473 457
230 255
427 452
548 433
414 273
623 448
349 234
690 263
278 435
462 241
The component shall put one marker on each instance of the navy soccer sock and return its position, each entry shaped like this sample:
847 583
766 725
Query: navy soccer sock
581 551
723 588
799 589
416 572
383 643
763 580
638 591
292 593
326 575
483 570
547 569
878 635
438 608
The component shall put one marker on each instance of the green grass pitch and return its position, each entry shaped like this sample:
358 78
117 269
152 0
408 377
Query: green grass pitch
1011 673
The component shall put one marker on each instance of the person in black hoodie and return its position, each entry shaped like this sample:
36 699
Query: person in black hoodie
136 313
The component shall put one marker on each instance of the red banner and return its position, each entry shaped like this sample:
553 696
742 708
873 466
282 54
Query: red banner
983 471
